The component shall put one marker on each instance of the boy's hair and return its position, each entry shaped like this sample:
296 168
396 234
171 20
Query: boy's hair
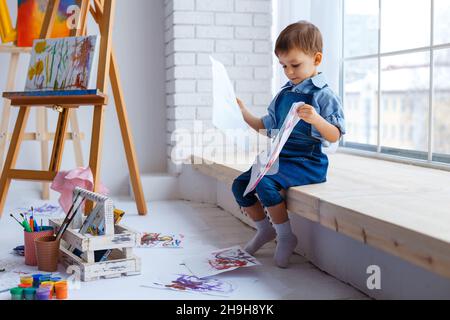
302 35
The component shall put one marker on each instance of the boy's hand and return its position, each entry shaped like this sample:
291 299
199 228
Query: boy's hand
308 114
240 103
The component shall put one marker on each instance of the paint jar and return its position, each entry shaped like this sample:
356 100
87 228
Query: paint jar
29 293
23 285
36 281
61 290
49 284
26 280
16 293
44 277
43 293
47 253
30 250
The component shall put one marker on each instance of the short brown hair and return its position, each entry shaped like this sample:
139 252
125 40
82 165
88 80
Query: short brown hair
302 35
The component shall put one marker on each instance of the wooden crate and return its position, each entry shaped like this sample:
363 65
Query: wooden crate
117 238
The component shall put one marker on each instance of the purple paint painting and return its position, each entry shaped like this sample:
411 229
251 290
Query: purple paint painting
190 283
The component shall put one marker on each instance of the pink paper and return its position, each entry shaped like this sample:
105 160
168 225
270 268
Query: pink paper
66 181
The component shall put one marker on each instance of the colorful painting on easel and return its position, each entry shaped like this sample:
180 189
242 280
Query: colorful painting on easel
190 283
61 64
160 240
220 261
31 15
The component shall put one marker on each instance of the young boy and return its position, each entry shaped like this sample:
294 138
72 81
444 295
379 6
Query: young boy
301 161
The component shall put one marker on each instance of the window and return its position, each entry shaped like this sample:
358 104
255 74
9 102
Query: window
396 73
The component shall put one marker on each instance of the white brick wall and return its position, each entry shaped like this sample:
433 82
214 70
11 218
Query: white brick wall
235 32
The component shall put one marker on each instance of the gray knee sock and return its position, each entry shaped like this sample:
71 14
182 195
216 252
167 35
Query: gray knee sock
264 233
286 243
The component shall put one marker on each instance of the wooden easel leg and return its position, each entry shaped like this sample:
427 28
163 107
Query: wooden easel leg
96 150
4 125
13 152
42 136
58 144
127 138
76 138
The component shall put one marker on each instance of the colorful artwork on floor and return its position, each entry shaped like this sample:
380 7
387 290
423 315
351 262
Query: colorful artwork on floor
31 15
61 64
219 261
161 240
190 283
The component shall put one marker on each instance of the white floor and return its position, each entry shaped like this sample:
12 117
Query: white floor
205 227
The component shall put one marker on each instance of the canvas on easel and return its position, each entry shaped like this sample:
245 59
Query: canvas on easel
61 64
31 15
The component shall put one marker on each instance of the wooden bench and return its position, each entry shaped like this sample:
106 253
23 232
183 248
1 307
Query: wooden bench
399 208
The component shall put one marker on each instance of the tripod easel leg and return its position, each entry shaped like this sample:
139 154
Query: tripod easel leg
4 125
11 158
42 135
130 152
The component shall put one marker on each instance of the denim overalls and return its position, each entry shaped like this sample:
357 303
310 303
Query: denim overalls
301 160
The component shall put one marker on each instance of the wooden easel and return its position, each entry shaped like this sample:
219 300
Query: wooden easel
103 13
42 135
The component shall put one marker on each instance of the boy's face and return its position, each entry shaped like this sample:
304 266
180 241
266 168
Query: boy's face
298 65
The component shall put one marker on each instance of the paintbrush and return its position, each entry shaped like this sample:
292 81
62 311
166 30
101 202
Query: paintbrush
16 220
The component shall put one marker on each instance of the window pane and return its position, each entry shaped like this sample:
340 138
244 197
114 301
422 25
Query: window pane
361 27
441 107
441 21
405 24
360 102
404 101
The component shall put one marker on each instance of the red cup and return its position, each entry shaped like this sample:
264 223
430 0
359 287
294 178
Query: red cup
30 249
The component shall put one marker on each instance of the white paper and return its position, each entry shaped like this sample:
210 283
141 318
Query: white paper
160 240
218 261
226 112
193 284
265 161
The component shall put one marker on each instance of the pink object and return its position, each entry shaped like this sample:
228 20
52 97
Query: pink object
66 181
30 250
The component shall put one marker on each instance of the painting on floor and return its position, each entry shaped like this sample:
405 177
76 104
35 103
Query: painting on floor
193 284
61 64
160 240
219 261
30 17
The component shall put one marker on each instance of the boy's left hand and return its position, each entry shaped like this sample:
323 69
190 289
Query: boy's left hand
308 114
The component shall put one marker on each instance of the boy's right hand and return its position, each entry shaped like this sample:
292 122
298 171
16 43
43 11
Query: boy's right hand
240 104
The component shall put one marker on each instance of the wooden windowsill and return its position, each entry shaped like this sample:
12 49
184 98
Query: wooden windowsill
399 208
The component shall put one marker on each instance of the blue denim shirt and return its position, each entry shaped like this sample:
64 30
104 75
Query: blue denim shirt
327 104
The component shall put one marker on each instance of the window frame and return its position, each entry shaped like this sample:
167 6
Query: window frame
421 158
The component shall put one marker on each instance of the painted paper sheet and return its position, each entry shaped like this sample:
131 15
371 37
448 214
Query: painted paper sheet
266 162
31 15
190 283
226 112
218 261
61 64
161 240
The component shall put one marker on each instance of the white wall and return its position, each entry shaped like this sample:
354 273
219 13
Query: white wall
139 43
235 32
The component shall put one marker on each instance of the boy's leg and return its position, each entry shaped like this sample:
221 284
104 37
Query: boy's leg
251 205
269 193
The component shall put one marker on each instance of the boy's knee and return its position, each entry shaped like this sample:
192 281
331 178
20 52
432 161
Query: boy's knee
269 192
238 188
